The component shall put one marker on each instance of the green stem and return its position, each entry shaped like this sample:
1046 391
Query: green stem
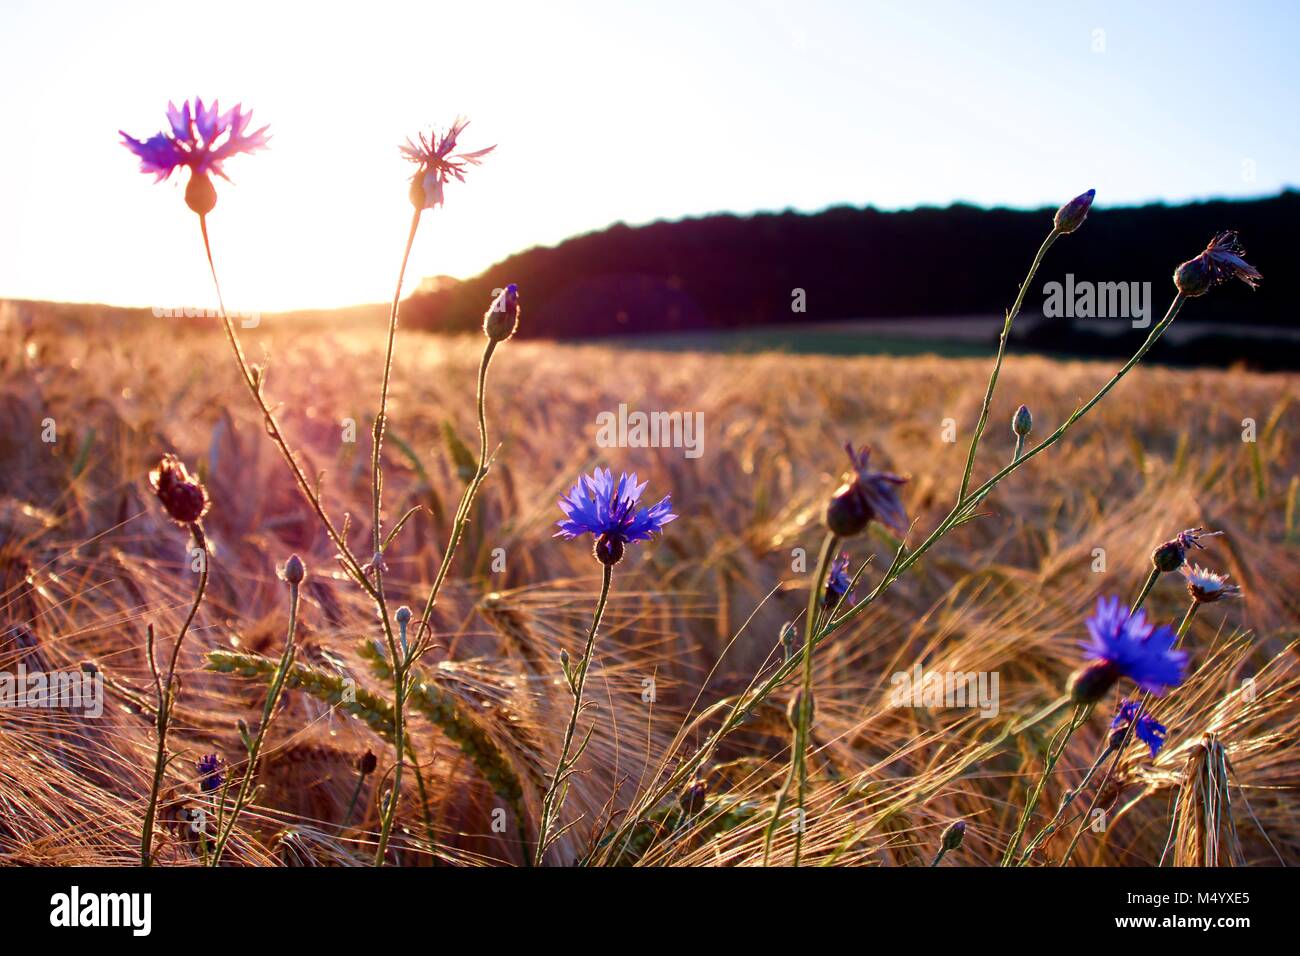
997 364
347 558
242 798
799 738
467 499
1054 753
166 700
553 799
1054 824
1146 589
404 659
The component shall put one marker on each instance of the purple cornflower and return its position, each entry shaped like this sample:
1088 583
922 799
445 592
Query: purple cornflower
202 138
210 775
438 164
864 496
1150 731
607 509
839 583
193 140
1125 645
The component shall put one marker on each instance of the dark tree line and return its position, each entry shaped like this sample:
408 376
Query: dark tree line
730 271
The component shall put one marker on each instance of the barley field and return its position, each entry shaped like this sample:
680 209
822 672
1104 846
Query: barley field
90 564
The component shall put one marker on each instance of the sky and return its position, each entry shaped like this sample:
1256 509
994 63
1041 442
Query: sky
602 112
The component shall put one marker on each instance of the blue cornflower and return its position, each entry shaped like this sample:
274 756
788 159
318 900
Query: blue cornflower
210 775
839 583
1150 731
1125 645
607 509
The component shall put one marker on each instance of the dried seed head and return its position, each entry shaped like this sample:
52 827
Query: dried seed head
183 497
1071 216
1206 587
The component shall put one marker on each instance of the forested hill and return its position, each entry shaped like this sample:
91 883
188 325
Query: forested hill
728 271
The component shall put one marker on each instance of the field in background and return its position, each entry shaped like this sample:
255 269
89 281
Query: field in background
87 561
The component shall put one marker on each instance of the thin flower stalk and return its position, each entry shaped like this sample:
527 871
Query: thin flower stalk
796 776
294 578
165 691
556 790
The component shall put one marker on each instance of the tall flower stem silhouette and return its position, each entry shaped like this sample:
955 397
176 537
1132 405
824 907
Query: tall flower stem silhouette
400 665
437 163
253 380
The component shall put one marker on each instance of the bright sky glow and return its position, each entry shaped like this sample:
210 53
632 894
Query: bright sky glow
603 111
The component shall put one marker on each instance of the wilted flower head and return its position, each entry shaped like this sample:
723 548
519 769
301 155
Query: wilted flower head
183 497
210 775
1150 731
202 138
600 506
839 583
1071 216
864 496
438 163
1206 587
1171 555
502 317
1125 645
1221 260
